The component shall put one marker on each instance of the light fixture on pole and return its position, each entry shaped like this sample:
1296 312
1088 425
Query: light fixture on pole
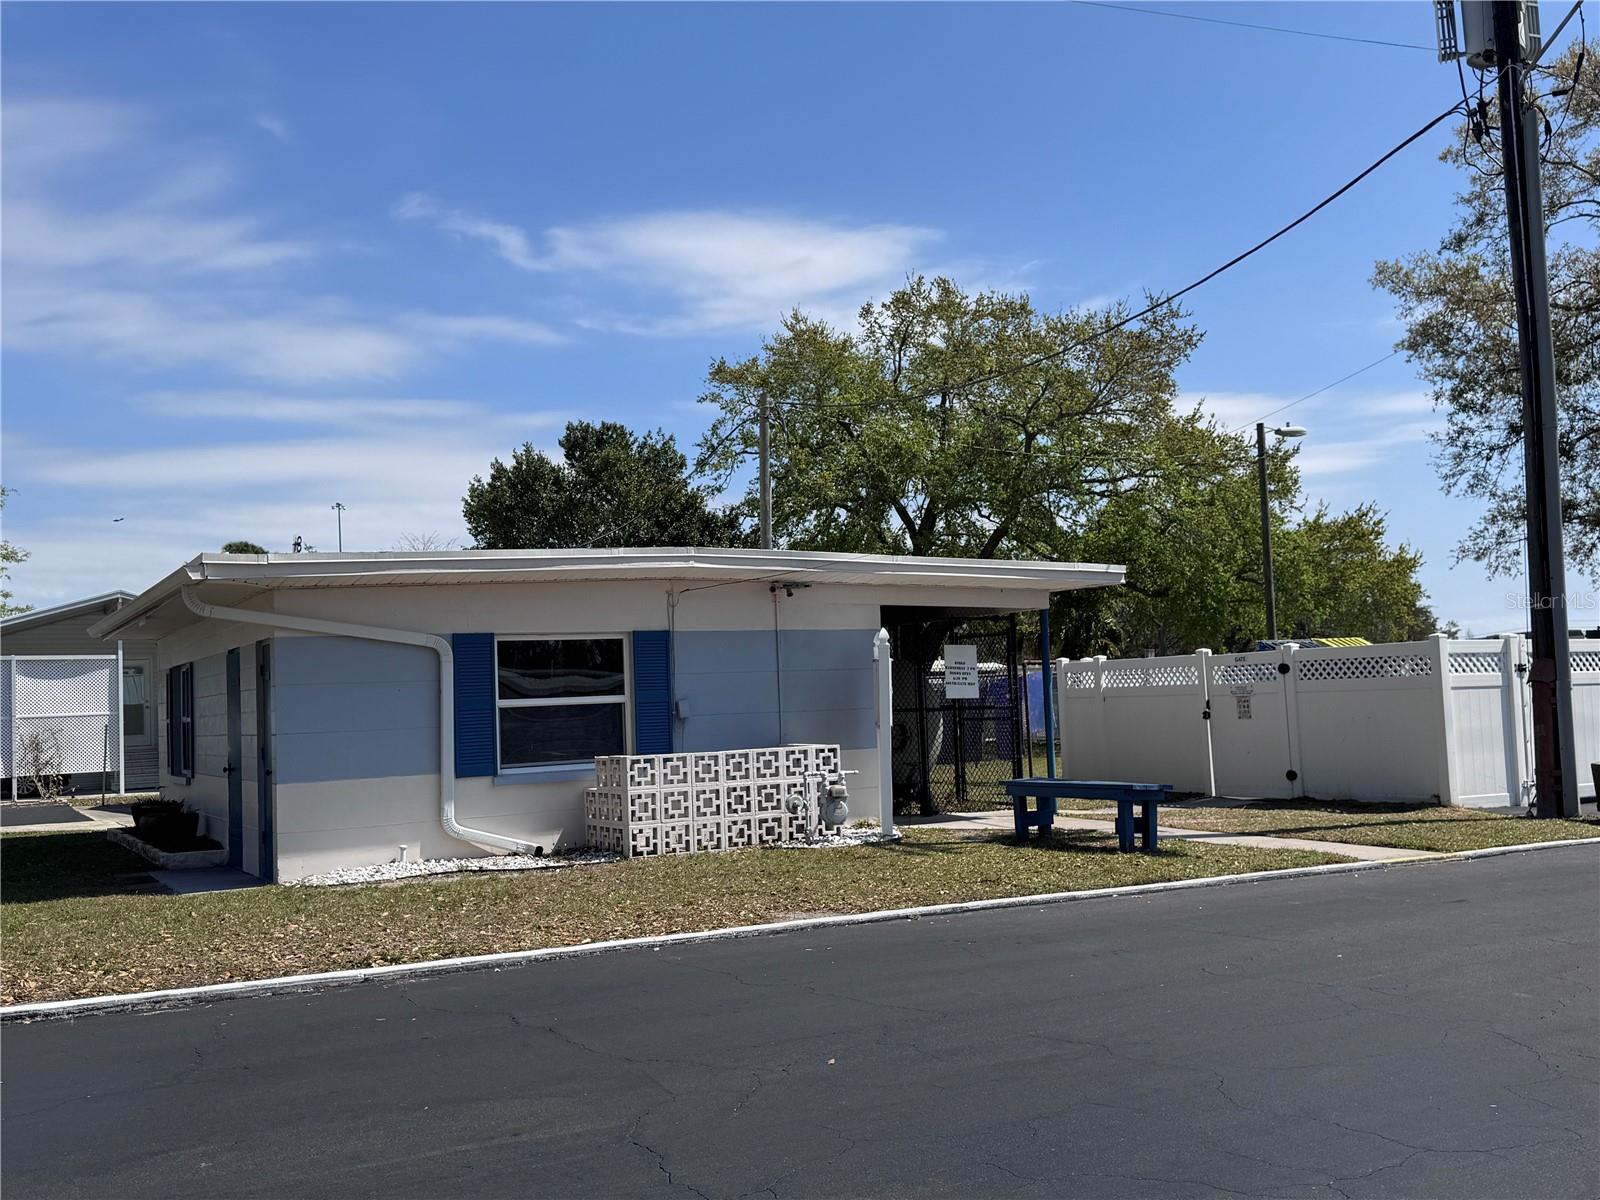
1283 431
338 509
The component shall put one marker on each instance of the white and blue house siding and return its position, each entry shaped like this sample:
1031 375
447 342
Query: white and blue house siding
355 722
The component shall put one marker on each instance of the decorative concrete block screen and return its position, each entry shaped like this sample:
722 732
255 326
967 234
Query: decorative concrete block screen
644 804
1438 719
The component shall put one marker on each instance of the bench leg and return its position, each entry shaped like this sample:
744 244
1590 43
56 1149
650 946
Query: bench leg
1151 837
1125 826
1019 816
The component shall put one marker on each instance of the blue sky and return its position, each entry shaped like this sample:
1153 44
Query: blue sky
261 258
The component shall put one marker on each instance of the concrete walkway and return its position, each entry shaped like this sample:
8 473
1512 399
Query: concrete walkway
87 819
1001 819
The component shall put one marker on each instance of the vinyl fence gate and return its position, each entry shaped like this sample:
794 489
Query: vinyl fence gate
69 705
951 754
1442 720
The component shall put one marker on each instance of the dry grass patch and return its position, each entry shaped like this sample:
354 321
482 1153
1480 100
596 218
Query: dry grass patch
59 946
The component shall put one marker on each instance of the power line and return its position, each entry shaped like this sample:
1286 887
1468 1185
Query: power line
1327 387
1311 33
1050 356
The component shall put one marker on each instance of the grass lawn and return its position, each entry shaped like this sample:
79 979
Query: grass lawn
94 942
1409 826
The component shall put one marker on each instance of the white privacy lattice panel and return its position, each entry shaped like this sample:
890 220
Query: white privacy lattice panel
1376 666
644 805
1229 674
1475 662
1154 676
60 710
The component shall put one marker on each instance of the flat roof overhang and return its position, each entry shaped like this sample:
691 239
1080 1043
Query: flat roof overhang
233 578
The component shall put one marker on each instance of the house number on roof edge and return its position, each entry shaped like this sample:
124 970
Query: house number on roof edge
961 672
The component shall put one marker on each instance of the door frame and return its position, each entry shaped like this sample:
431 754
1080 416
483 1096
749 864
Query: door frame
147 739
234 774
267 856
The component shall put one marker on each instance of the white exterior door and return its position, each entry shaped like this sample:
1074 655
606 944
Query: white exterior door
138 711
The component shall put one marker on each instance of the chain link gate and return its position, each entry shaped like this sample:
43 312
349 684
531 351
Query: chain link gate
950 754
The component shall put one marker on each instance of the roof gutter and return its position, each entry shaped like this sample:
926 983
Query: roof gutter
447 681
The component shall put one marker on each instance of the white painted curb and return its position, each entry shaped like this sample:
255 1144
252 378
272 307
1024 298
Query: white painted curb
323 980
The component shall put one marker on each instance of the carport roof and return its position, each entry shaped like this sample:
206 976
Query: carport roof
248 574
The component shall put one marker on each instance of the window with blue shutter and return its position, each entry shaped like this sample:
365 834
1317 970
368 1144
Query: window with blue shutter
474 702
652 692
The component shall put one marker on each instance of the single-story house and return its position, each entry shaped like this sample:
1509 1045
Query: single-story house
62 632
334 710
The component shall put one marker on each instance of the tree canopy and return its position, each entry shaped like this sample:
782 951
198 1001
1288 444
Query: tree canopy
950 424
240 546
611 487
1460 315
976 426
10 555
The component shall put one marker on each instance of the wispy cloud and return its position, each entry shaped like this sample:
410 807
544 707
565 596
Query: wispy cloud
163 275
707 269
276 126
399 465
360 412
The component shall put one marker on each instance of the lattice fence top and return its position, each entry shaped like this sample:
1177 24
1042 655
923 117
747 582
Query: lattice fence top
1078 679
1586 660
1474 662
1165 675
1248 672
59 686
1373 666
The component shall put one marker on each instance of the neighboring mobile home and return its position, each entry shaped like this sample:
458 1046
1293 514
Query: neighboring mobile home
328 710
63 632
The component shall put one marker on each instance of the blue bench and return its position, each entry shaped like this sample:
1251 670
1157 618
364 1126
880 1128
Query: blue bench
1047 791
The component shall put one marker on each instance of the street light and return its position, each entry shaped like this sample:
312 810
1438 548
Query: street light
1283 431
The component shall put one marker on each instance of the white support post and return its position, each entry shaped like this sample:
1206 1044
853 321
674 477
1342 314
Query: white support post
1202 662
1511 721
1288 658
883 676
13 730
122 734
1439 653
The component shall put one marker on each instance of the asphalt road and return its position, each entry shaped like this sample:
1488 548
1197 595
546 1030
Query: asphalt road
1420 1031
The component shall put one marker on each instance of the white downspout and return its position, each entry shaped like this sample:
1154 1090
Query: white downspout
447 719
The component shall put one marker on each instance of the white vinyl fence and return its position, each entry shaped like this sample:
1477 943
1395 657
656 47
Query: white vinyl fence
1409 721
71 702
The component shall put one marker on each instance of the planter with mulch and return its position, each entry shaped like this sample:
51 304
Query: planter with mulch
169 848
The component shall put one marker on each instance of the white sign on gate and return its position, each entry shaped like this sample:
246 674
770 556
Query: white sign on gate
961 672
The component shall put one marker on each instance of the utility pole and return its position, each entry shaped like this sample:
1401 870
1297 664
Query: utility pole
1550 671
338 510
1266 532
766 473
1283 431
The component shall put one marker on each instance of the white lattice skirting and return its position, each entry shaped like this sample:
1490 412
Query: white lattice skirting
645 804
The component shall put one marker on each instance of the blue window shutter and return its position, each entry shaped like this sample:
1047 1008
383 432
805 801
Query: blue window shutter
652 692
474 698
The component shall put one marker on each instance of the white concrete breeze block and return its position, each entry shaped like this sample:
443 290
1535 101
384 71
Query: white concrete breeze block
651 804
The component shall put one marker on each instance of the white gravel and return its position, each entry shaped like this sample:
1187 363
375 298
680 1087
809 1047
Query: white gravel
841 837
388 872
384 872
